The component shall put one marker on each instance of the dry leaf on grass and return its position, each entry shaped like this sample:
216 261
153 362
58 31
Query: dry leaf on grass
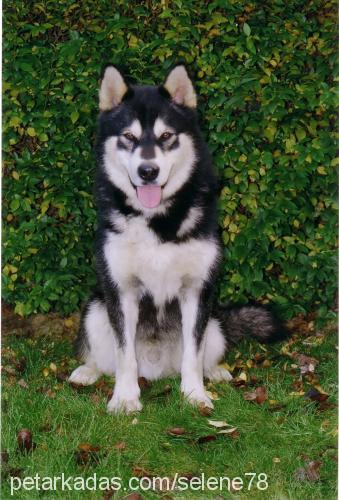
4 457
206 439
141 472
204 410
218 423
25 441
144 383
87 454
120 446
259 395
176 431
308 473
306 363
23 383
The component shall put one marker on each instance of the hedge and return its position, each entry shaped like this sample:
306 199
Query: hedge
265 78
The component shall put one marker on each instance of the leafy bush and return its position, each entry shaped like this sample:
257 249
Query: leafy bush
264 74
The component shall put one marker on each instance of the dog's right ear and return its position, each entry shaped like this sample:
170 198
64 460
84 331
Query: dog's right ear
112 89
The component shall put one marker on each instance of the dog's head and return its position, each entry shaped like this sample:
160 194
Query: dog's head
148 136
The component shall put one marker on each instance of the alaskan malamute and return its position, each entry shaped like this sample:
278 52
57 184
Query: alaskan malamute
158 248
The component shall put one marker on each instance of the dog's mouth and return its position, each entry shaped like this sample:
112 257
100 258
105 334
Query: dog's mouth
149 195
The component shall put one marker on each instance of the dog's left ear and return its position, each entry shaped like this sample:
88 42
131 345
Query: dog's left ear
180 88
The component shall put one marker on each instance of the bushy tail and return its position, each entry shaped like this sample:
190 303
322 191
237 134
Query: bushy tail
253 320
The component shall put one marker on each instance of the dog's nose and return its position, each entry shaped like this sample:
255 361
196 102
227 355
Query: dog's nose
148 172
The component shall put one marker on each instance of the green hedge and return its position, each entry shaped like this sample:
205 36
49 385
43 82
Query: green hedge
264 75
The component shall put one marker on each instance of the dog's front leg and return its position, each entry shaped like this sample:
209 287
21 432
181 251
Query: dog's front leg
194 312
126 393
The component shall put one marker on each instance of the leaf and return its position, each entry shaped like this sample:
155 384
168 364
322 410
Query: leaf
206 439
120 446
87 454
246 29
176 431
144 383
258 396
204 410
306 363
308 473
74 116
316 395
22 383
218 423
25 441
227 431
31 132
213 395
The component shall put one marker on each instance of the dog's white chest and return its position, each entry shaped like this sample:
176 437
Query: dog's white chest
137 256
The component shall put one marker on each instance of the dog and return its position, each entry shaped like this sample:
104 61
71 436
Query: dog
158 249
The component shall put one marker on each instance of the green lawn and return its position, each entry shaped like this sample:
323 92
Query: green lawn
283 434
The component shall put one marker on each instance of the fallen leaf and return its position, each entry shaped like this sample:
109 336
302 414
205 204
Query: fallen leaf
212 395
15 472
62 376
228 431
310 472
259 395
242 376
306 363
206 439
144 383
22 383
87 454
218 423
120 446
108 494
176 431
53 367
204 410
95 398
4 456
277 407
141 472
20 365
24 440
315 395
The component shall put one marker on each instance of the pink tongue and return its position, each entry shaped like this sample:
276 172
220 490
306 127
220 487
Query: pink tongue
149 196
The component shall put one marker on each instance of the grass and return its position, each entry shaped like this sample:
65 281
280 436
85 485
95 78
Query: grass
270 439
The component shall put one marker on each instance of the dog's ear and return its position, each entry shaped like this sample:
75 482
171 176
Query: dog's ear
180 88
112 89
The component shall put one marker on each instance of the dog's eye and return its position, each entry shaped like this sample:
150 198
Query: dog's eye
129 136
166 135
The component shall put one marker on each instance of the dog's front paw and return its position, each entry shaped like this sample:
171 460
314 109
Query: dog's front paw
197 397
124 404
84 375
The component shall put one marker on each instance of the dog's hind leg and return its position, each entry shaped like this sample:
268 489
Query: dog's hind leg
215 347
95 345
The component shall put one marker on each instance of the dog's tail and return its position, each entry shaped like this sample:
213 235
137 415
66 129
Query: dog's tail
255 320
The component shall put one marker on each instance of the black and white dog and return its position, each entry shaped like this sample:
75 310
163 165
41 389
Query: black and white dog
157 249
